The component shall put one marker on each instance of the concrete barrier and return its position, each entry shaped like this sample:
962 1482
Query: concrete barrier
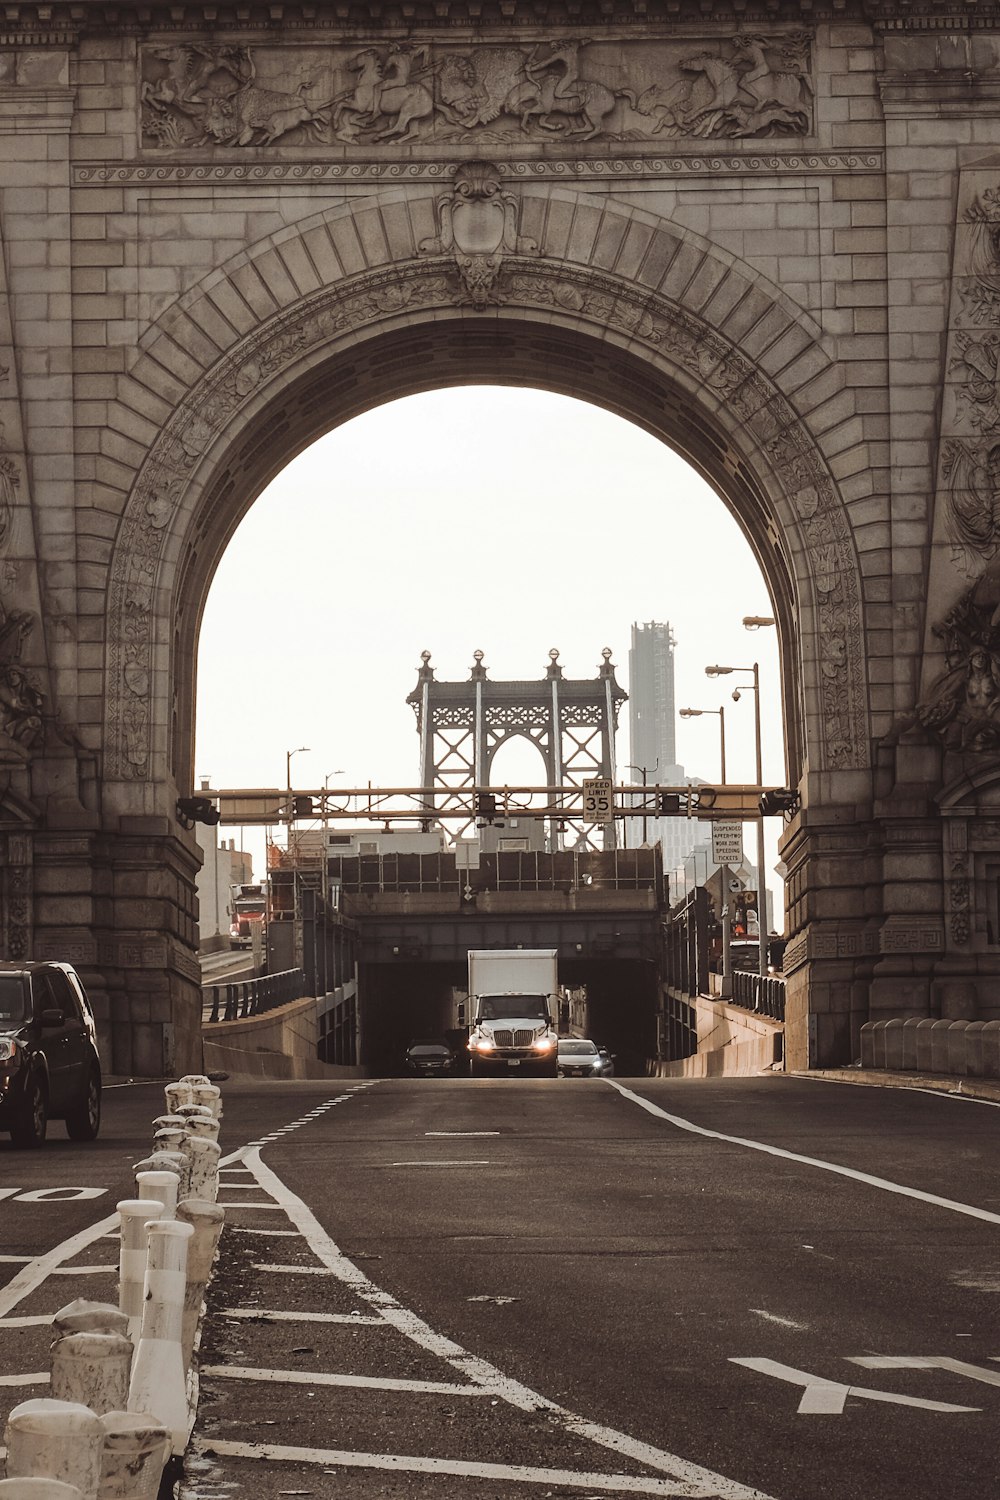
49 1439
203 1168
134 1452
84 1316
954 1049
37 1489
92 1369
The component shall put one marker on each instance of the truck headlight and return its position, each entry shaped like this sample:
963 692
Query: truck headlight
482 1043
543 1044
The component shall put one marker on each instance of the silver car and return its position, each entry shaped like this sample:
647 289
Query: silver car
579 1058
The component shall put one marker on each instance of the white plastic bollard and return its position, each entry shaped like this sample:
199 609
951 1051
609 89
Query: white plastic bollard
159 1187
55 1440
194 1112
159 1377
203 1155
83 1316
166 1122
135 1214
166 1161
37 1489
178 1093
92 1369
195 1078
207 1093
136 1449
205 1126
206 1219
170 1137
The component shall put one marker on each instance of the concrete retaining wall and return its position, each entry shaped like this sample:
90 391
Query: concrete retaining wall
962 1049
732 1043
282 1043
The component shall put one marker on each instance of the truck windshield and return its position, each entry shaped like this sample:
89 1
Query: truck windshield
513 1008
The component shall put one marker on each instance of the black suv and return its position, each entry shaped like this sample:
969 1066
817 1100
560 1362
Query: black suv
49 1064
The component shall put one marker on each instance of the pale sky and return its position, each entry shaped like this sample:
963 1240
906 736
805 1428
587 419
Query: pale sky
507 519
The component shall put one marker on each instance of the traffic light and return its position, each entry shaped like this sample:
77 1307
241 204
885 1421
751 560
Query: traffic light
486 807
302 807
670 804
780 800
191 810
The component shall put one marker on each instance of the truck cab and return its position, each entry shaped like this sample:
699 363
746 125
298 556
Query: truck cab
512 1032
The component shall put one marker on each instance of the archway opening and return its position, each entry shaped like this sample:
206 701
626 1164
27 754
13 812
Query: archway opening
515 521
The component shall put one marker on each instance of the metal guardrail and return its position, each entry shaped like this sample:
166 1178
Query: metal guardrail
251 997
765 996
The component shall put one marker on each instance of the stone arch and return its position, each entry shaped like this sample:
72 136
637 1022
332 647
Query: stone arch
365 302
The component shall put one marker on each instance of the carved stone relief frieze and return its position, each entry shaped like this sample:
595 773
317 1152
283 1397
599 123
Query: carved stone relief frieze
752 85
510 279
16 885
961 703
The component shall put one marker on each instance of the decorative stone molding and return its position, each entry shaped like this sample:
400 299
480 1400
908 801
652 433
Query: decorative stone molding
365 170
478 225
560 91
666 333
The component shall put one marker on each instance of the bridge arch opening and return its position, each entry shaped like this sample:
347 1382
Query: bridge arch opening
675 336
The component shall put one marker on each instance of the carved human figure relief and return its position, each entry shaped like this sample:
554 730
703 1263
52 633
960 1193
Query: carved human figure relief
412 92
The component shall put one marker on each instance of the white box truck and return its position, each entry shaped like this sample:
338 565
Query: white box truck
513 1011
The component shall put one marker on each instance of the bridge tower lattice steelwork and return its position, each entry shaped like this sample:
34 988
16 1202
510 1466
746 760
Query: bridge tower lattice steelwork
572 722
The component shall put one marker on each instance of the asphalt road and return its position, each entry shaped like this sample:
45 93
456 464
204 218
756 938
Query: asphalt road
479 1288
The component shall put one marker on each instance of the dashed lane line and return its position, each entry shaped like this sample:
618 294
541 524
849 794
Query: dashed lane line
617 1484
483 1378
883 1183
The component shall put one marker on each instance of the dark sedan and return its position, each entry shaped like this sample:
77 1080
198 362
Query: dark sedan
429 1059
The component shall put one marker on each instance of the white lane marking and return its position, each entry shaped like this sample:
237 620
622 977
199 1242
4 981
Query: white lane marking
455 1134
16 1260
43 1321
272 1315
784 1322
807 1161
958 1093
325 1377
823 1397
439 1163
477 1370
291 1234
60 1195
260 1207
296 1270
617 1484
15 1380
84 1271
927 1362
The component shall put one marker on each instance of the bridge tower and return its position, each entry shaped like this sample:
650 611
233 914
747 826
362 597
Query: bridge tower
572 721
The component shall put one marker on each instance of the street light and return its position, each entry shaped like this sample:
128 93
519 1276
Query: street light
696 713
718 671
302 749
757 622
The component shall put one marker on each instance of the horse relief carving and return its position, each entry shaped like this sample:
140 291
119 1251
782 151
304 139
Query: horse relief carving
407 93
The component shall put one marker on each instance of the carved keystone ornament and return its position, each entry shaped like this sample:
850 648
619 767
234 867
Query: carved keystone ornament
478 225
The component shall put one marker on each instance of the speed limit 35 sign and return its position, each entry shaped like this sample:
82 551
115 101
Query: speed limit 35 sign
598 804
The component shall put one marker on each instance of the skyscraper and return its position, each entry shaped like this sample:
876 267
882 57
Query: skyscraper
651 700
653 741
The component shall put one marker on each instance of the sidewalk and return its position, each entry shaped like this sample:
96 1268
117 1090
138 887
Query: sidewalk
941 1083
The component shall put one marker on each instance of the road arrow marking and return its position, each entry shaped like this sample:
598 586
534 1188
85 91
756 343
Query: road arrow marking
828 1397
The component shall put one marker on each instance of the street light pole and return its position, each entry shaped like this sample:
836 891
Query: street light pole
288 785
642 772
718 671
725 893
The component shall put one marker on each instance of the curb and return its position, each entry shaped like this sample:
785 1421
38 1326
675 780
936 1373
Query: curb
938 1083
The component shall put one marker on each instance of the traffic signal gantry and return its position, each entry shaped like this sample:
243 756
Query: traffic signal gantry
595 802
